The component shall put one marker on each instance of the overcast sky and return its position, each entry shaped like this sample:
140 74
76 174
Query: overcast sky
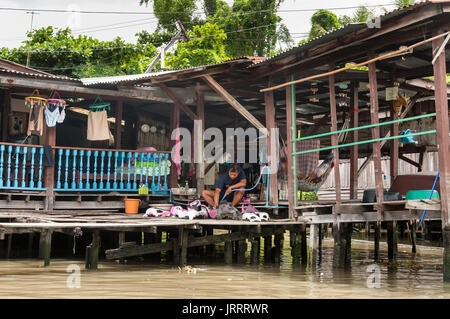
107 26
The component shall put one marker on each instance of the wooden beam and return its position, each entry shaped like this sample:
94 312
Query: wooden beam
178 103
376 146
232 101
442 128
334 140
290 128
409 161
272 155
354 101
119 112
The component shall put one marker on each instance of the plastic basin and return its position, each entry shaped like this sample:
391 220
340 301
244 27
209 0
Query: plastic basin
421 194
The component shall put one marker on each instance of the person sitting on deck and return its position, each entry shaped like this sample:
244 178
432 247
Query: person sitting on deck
234 179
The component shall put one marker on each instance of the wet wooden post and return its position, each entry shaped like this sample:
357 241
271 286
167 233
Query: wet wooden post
8 246
342 234
267 248
176 251
92 251
303 245
354 104
392 236
30 245
377 237
278 243
210 249
228 252
376 150
254 250
121 242
413 236
241 250
313 242
45 246
295 242
183 242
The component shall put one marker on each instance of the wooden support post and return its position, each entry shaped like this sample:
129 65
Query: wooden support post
342 245
392 239
210 249
290 128
303 245
5 114
228 252
272 154
254 250
313 242
279 243
183 243
442 130
295 242
30 245
121 242
199 159
376 151
354 99
176 251
334 140
241 250
267 248
92 251
413 236
46 246
119 113
377 236
49 179
393 148
174 124
9 245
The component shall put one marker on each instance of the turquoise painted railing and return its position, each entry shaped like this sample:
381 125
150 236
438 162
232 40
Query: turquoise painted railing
81 169
21 166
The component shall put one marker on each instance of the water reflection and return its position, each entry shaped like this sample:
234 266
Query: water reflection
413 276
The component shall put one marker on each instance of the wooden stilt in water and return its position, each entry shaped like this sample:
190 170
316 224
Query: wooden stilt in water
367 230
176 251
241 249
183 242
228 252
278 242
413 236
121 242
295 242
254 250
267 248
92 251
46 236
303 245
377 235
30 245
446 259
342 245
8 247
392 237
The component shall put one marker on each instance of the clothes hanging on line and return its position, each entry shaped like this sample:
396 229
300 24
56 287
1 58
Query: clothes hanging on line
36 120
62 115
51 117
97 128
48 156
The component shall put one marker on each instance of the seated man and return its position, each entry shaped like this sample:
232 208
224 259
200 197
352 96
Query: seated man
234 179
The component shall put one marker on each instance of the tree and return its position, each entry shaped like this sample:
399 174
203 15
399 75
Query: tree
362 14
205 47
323 21
58 51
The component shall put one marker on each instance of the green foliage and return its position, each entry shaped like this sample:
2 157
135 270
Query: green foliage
307 196
58 51
362 14
403 3
206 47
323 21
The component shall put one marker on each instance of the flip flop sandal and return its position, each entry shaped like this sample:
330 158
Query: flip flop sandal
263 216
251 217
153 212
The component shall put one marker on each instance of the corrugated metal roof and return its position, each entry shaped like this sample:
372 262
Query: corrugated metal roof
38 75
349 28
145 76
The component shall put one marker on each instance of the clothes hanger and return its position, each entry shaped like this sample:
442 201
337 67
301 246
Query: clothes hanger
99 105
34 99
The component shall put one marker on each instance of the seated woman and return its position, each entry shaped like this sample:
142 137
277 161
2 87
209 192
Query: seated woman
234 179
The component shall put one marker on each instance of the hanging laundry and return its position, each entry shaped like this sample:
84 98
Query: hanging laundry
97 128
62 115
36 120
51 117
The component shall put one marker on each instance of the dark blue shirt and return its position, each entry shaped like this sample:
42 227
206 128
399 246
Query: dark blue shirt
225 181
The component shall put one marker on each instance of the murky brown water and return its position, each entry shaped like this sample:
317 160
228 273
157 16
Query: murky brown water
415 277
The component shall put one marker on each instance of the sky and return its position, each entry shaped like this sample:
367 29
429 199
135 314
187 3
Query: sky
15 24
